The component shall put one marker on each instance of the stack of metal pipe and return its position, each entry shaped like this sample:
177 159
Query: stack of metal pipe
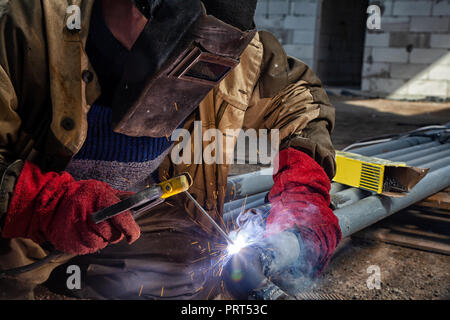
355 208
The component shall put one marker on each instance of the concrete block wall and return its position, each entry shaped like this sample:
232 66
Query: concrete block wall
340 47
294 22
409 58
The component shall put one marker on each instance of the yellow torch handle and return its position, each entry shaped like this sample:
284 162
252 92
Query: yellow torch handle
176 185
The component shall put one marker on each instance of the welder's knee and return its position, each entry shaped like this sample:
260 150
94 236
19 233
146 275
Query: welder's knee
18 252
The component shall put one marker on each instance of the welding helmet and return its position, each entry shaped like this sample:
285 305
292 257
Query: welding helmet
182 53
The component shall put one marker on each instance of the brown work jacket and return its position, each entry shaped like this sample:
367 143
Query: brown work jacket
47 86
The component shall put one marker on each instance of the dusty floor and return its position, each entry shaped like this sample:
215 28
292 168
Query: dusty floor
405 273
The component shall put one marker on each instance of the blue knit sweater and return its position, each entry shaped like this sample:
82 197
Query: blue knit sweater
124 162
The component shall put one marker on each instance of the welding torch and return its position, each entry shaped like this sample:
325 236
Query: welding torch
137 204
143 201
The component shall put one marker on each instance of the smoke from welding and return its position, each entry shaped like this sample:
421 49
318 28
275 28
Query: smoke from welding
287 265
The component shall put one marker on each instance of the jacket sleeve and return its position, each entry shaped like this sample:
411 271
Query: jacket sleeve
10 121
290 97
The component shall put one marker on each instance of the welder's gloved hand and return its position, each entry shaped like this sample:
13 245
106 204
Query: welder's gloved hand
55 208
300 204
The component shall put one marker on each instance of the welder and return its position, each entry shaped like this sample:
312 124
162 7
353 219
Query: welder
86 114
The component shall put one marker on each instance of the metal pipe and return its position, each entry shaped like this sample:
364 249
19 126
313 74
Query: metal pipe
234 214
337 187
352 195
240 186
392 154
437 164
232 205
372 209
421 153
419 136
367 211
232 209
430 160
391 146
348 197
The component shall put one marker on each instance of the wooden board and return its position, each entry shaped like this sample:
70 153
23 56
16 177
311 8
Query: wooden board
439 200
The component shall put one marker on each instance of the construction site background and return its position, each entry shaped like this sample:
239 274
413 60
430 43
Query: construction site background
408 57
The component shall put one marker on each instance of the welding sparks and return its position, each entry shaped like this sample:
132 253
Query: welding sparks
235 248
248 234
240 241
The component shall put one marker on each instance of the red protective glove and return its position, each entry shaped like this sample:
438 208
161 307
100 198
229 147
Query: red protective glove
300 199
55 208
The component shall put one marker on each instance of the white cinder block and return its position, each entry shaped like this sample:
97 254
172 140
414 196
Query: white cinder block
440 41
409 71
377 39
376 70
384 85
429 24
428 88
439 72
395 23
441 8
300 51
365 85
427 55
412 8
305 8
262 8
300 23
271 23
444 61
368 54
388 5
278 7
389 55
304 37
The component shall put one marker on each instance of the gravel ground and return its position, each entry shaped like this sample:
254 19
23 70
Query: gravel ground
405 273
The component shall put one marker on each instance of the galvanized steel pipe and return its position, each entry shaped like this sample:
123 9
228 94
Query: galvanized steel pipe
394 154
372 209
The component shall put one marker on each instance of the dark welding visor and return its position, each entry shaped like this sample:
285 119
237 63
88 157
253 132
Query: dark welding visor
180 56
